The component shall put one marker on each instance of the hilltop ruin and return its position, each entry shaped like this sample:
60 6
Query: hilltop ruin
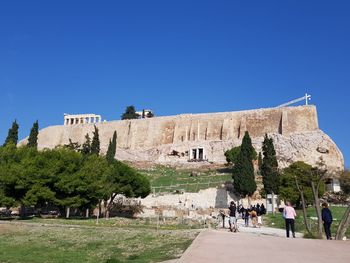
202 139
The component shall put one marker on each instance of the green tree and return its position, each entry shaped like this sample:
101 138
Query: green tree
95 145
298 186
318 176
33 136
64 178
269 169
112 147
259 162
74 146
66 163
12 136
25 177
86 147
150 114
122 179
130 113
232 154
345 222
243 170
294 187
345 182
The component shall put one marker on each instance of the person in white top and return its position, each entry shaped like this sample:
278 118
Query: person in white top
289 216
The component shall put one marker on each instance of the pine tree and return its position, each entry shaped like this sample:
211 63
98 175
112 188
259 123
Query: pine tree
130 113
12 136
243 171
112 148
95 145
269 168
86 147
33 136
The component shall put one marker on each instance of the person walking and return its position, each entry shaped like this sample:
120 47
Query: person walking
327 220
246 217
289 217
253 216
232 219
259 215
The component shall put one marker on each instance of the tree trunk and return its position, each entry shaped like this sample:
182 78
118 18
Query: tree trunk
273 202
99 209
67 212
301 192
343 225
87 213
318 209
22 211
109 205
304 213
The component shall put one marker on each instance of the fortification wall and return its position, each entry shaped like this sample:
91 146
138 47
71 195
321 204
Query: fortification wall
169 140
149 133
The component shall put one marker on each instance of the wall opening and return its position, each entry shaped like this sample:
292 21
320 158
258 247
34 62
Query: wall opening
197 154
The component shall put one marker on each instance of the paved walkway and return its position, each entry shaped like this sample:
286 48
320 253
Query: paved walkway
223 246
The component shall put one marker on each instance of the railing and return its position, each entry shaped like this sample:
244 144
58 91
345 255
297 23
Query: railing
188 187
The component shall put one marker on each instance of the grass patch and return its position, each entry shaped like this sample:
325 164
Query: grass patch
278 221
120 222
56 242
166 179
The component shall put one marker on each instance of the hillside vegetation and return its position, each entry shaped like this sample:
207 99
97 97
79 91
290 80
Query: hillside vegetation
166 179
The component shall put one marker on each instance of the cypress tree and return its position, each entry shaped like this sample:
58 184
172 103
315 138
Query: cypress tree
86 147
95 145
12 136
269 168
259 162
112 148
109 154
33 136
243 171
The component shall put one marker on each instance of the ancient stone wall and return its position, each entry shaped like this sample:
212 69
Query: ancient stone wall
153 132
170 139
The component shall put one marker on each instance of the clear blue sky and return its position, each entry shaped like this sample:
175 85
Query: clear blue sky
173 57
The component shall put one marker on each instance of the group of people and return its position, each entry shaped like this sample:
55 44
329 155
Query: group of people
289 215
253 213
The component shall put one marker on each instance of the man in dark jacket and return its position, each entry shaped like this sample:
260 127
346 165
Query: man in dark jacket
232 220
327 220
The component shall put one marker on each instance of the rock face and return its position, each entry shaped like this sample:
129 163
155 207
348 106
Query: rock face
199 139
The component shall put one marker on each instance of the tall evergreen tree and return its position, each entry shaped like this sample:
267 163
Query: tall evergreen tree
33 136
259 162
95 145
243 170
86 147
269 168
112 148
12 136
130 113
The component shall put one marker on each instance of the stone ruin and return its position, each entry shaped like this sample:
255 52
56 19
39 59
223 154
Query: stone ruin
196 140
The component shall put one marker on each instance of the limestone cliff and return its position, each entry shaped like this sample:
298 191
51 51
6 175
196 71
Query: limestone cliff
180 139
